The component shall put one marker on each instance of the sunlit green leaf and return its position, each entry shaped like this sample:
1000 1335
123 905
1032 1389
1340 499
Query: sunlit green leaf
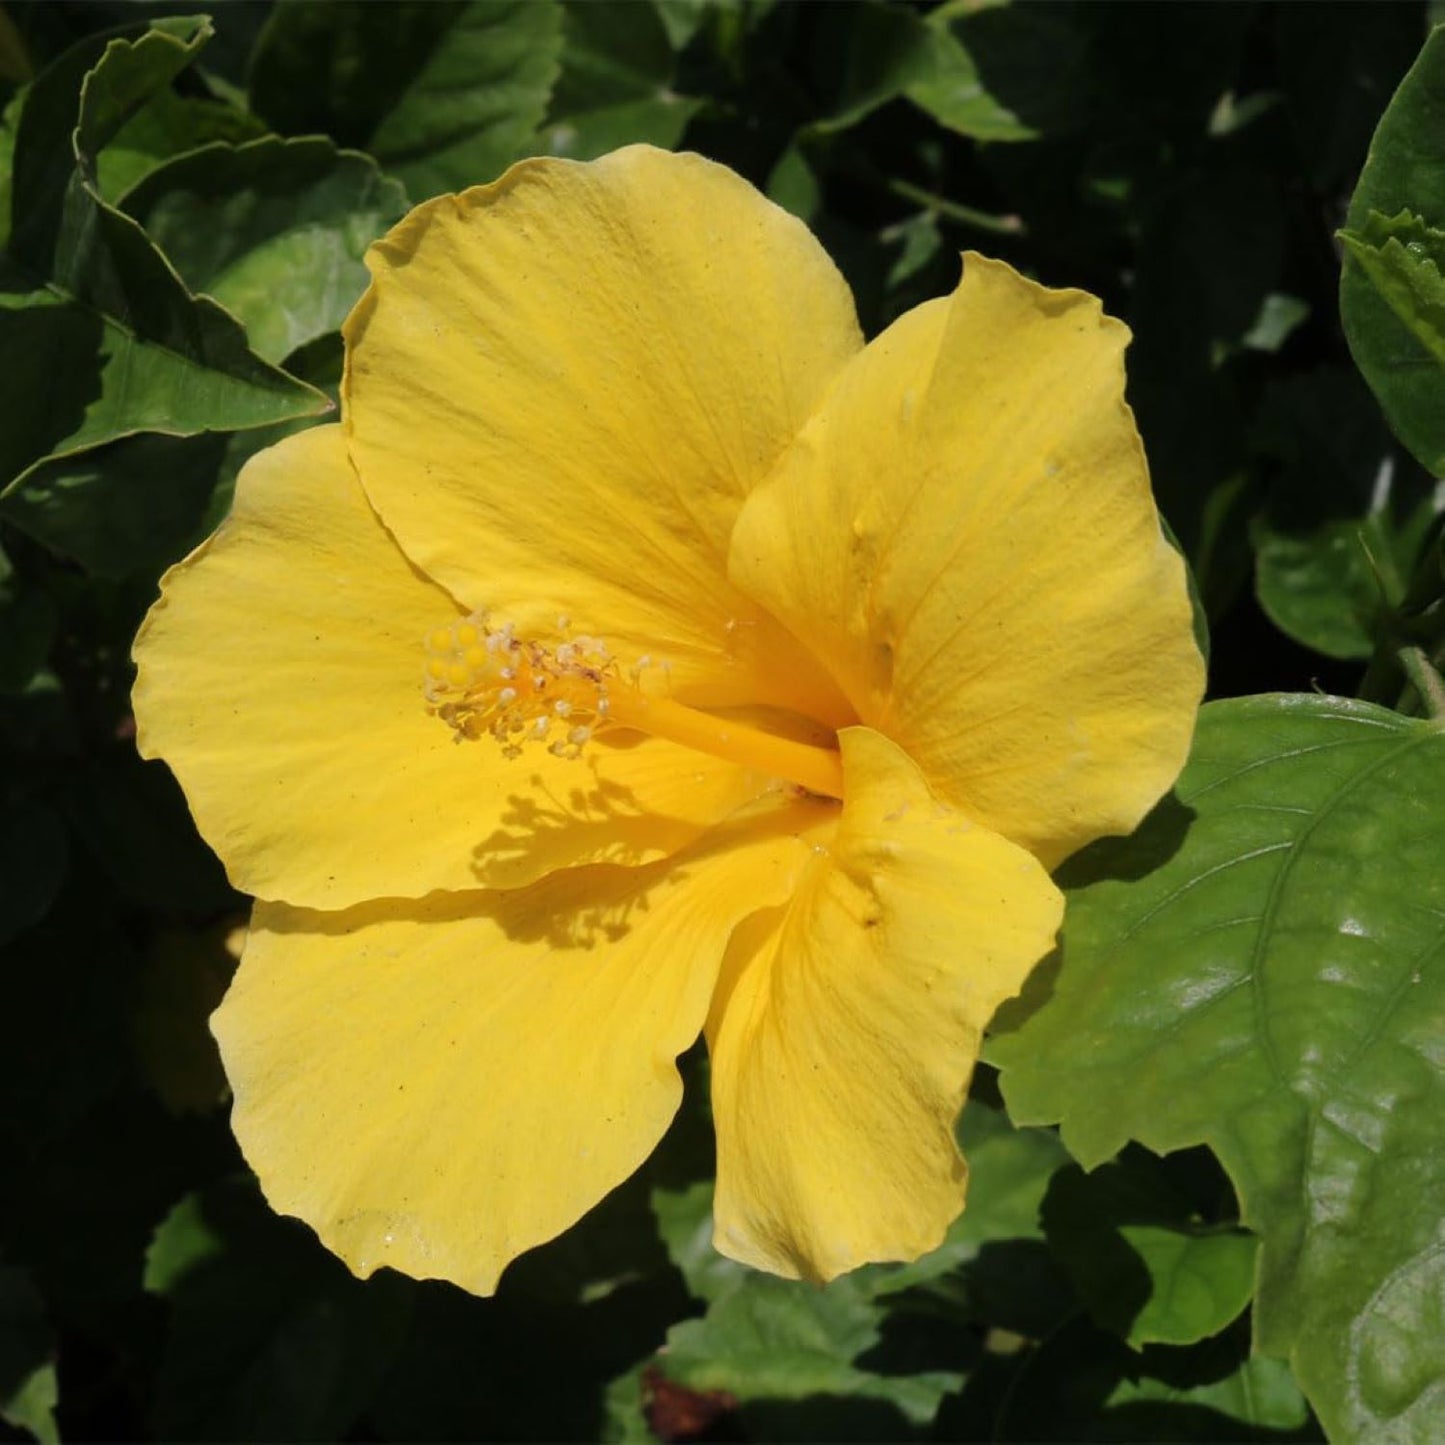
1391 295
782 1340
1261 968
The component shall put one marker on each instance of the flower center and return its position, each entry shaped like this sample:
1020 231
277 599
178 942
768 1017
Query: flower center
484 681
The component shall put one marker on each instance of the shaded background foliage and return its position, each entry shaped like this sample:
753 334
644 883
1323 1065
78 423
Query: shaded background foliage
1189 163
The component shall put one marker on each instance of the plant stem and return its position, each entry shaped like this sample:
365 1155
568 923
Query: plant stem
1426 681
956 210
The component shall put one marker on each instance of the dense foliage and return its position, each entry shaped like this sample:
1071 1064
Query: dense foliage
1235 1232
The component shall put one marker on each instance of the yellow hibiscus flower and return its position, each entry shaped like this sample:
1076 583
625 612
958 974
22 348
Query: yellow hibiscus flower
643 655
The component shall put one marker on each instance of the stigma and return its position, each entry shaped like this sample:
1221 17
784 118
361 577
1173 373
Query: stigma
485 681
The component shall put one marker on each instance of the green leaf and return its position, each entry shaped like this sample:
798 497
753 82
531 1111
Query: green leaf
781 1340
793 185
1280 315
443 95
615 85
1005 72
1144 1267
1335 546
869 53
269 1337
169 125
1391 296
274 230
769 1340
28 1389
1261 969
1402 257
1084 1384
9 121
99 336
1260 1393
134 505
1009 1170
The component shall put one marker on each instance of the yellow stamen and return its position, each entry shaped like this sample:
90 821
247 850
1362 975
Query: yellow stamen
484 681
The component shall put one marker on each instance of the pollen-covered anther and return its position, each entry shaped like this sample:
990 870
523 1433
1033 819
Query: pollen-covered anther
485 681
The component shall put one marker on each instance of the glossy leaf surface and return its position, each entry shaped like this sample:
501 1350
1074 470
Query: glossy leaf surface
1261 968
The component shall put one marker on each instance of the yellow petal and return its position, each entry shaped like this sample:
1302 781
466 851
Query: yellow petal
439 1086
966 533
560 387
846 1026
280 676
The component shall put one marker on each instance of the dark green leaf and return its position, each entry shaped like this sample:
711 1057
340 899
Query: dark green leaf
1261 968
169 125
1082 1383
274 230
584 1309
1390 290
134 505
587 134
1335 545
1260 1393
270 1337
615 87
133 817
99 336
892 1334
1145 1268
443 95
27 625
868 53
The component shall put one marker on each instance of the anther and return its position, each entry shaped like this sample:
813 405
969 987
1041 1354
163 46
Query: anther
484 681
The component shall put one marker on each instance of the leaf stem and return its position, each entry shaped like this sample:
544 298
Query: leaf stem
956 210
1425 679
